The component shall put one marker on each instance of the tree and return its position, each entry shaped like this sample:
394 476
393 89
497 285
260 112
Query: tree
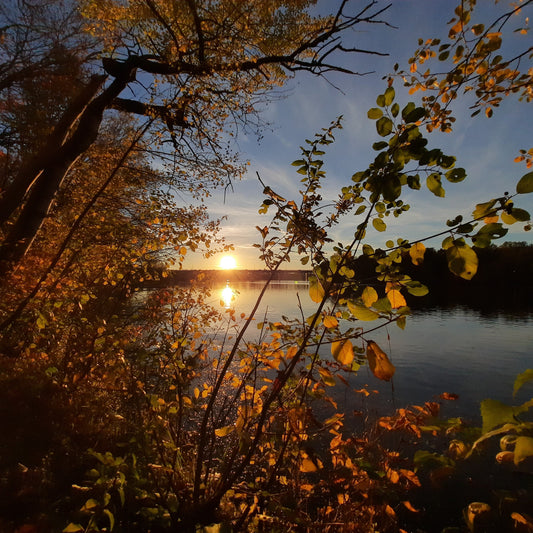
198 66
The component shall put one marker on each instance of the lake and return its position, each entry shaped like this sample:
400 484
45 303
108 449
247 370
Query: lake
456 350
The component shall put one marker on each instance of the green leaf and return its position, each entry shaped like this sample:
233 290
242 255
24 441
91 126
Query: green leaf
434 184
383 304
380 100
462 260
522 379
415 115
111 519
495 413
374 113
525 185
515 215
413 182
483 209
73 528
523 449
298 163
456 175
392 188
416 288
384 126
409 108
379 224
395 109
389 95
380 145
361 312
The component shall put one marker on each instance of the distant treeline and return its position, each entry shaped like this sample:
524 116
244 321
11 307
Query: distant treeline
174 277
504 278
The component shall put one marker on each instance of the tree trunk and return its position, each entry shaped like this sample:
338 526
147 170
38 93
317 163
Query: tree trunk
47 181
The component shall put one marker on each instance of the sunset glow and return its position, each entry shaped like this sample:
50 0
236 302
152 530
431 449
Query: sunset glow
228 262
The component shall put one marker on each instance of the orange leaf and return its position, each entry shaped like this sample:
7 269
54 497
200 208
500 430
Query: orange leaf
390 511
378 362
449 396
342 351
330 322
410 507
396 299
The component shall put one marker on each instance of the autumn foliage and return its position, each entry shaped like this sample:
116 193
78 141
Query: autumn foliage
129 408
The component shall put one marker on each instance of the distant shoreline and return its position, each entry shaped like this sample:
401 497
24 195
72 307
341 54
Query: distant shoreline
174 277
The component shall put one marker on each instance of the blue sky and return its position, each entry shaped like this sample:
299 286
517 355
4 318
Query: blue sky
485 148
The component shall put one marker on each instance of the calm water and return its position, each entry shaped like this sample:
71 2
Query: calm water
454 350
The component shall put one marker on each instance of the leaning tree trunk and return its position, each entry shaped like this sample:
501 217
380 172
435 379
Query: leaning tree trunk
39 188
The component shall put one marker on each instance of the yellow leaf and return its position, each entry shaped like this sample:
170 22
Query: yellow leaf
316 291
462 260
222 432
361 312
417 253
369 296
491 220
343 498
396 299
342 351
330 322
292 351
378 362
308 465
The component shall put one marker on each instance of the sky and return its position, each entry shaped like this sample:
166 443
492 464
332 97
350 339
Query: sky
485 147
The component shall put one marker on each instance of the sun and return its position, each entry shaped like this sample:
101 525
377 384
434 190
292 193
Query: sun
228 262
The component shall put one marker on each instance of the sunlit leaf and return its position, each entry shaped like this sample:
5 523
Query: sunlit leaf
316 291
462 260
361 312
483 209
375 113
434 184
516 215
523 449
330 322
522 379
396 299
378 362
222 432
342 351
417 253
369 296
90 504
379 224
495 413
308 465
389 95
73 528
416 288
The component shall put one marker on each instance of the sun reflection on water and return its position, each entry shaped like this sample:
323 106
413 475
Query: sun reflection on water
227 296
